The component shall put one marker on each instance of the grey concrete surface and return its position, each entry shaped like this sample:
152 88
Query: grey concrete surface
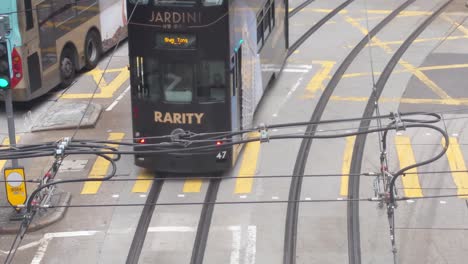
427 231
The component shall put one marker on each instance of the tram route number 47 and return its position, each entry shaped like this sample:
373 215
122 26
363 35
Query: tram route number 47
221 155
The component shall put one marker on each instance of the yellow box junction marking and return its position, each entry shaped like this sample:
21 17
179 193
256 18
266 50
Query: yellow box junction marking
106 90
456 162
426 68
143 182
461 101
348 154
459 27
100 168
411 68
248 166
192 185
317 82
6 142
419 40
405 153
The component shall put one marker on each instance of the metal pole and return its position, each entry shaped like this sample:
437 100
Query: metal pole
11 122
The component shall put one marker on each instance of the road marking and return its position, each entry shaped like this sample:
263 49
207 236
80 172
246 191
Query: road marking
107 90
317 82
370 11
427 68
100 168
44 242
411 68
235 245
288 95
459 27
405 153
192 185
456 162
346 167
459 101
248 166
251 249
143 182
419 40
6 143
117 100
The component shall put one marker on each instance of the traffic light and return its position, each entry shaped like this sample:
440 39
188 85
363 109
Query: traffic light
4 66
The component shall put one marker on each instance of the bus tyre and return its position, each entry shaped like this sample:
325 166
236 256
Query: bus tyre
67 67
93 49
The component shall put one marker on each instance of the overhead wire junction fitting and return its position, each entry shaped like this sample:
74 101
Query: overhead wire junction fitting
264 136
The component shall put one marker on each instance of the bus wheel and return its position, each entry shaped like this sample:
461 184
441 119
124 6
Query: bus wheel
92 49
67 67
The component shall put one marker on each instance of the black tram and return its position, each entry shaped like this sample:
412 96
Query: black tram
200 66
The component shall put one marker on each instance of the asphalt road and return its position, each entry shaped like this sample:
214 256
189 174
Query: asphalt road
429 77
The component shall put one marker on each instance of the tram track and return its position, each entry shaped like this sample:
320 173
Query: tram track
289 256
299 8
204 223
203 228
316 26
354 249
144 222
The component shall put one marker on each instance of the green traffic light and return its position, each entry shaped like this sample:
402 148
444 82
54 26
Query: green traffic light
4 83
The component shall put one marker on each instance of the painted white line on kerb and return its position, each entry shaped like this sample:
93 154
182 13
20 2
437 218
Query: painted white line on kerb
117 100
44 242
236 244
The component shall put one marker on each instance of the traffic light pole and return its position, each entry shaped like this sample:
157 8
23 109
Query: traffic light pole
11 122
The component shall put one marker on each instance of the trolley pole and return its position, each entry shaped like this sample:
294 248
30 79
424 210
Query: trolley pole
11 122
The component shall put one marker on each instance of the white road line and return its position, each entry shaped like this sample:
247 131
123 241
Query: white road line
293 89
295 70
117 100
236 244
251 249
44 242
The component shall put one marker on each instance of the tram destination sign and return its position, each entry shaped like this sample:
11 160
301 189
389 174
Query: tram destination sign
176 41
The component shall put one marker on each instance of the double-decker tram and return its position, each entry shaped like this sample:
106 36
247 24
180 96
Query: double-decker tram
200 66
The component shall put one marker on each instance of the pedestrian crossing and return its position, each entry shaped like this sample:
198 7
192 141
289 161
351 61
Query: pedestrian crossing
403 147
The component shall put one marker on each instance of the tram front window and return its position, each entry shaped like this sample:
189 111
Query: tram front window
211 82
173 82
176 82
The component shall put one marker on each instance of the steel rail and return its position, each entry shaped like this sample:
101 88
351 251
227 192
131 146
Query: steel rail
354 244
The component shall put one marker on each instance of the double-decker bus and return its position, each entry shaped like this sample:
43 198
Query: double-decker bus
200 66
50 40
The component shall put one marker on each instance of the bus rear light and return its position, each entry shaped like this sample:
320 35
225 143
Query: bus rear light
219 143
17 68
142 141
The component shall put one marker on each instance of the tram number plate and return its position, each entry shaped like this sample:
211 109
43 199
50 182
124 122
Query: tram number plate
221 155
